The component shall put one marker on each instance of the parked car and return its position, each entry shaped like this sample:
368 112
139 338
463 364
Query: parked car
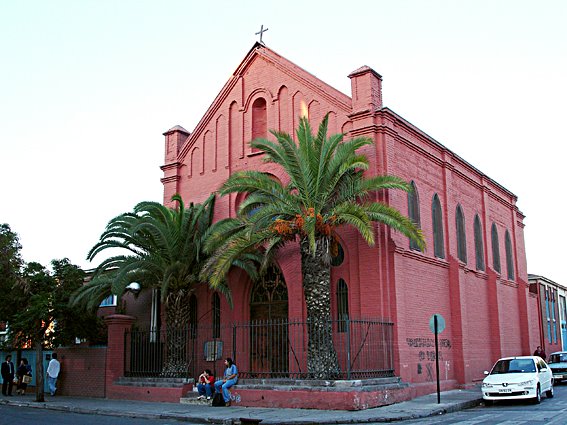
558 365
525 377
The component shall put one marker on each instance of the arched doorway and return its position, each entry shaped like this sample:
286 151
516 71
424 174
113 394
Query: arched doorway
269 329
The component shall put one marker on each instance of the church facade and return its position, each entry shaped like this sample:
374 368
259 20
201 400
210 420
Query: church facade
472 274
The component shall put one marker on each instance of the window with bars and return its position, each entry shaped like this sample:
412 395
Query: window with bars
342 305
461 235
438 241
478 244
215 308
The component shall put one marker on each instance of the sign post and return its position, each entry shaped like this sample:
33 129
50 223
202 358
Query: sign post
437 325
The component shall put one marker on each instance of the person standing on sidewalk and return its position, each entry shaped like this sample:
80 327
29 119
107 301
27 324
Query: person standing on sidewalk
7 376
53 370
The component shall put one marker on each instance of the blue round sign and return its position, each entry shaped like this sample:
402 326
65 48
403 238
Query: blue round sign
440 323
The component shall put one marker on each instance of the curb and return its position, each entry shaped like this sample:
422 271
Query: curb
402 416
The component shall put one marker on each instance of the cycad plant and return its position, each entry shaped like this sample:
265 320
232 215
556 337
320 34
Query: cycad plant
159 248
327 189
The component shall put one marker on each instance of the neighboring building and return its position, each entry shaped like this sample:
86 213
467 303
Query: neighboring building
473 272
552 312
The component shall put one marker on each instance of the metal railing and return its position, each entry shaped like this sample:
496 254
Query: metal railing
264 349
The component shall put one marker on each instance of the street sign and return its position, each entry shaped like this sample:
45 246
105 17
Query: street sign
440 323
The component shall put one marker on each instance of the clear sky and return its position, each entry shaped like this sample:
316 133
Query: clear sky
87 87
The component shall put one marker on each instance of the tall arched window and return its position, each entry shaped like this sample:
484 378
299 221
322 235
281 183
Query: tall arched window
495 249
438 242
478 244
193 316
259 118
509 256
413 213
461 235
342 305
215 308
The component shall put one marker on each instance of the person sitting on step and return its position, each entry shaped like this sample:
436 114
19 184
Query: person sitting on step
230 378
206 384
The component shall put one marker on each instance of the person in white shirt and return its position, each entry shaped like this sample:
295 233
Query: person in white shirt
52 373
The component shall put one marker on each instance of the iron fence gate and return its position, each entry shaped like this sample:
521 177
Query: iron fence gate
265 349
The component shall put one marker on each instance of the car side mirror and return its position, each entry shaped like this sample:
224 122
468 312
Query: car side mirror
543 369
486 372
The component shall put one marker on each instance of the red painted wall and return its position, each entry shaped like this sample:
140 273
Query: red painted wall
82 371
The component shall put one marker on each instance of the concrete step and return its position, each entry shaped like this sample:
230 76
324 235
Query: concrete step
153 382
191 398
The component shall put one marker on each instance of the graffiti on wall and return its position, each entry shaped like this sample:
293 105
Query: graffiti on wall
425 352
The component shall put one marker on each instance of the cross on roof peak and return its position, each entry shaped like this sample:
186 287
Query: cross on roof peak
261 32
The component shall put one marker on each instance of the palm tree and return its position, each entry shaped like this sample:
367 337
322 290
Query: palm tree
327 189
160 248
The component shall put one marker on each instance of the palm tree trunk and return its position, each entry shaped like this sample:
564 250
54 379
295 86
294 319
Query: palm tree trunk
177 319
322 362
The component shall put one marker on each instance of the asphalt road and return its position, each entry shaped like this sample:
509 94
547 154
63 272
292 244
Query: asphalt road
550 412
14 415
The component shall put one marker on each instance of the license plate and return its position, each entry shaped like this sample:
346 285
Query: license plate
559 376
505 390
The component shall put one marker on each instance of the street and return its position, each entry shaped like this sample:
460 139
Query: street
14 415
549 412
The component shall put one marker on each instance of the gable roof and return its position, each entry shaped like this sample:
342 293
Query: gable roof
327 92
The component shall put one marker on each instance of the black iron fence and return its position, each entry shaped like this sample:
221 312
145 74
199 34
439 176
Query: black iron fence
261 349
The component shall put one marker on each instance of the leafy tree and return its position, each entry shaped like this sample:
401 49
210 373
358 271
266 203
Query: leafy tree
10 266
160 248
43 318
327 189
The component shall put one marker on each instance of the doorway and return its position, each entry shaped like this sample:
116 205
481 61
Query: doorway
269 327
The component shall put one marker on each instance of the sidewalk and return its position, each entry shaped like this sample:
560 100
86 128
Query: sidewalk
420 407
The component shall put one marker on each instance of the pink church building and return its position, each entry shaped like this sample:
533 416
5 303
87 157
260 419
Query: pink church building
473 272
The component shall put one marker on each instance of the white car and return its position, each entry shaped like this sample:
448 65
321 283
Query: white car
525 377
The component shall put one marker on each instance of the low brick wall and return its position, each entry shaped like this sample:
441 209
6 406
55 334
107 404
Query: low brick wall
155 394
82 371
331 395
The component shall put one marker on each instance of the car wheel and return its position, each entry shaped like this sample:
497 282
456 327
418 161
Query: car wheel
537 398
549 392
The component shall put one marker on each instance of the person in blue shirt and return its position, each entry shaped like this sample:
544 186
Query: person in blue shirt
230 378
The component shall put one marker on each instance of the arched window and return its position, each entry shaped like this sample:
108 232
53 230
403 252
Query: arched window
495 249
337 260
478 244
509 256
342 305
259 119
461 235
193 316
413 213
215 308
438 243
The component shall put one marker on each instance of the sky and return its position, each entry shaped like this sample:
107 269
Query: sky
87 87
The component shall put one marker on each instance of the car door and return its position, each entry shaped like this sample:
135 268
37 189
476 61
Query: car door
545 375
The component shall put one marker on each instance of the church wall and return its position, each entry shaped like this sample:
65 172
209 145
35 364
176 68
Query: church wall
421 291
388 280
476 331
509 321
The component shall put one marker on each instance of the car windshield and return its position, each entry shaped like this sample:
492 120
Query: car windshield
557 358
513 366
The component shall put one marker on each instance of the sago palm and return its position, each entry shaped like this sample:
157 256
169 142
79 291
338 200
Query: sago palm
159 248
327 189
